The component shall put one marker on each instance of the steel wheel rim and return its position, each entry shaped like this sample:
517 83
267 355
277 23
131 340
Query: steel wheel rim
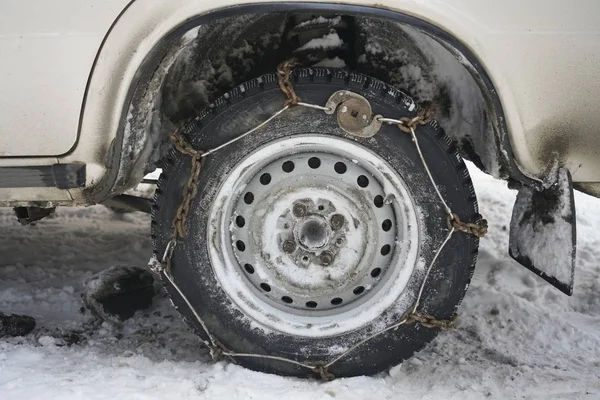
287 236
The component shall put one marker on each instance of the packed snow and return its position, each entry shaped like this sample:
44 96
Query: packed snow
517 337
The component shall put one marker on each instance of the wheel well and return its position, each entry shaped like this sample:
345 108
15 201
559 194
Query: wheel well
200 63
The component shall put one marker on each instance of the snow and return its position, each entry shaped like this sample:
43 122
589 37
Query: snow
517 337
334 62
321 20
328 41
191 34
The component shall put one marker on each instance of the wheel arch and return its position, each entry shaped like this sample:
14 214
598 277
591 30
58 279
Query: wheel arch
122 107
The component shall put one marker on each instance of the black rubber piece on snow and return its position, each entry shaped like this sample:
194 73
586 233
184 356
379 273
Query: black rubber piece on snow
115 294
242 109
15 325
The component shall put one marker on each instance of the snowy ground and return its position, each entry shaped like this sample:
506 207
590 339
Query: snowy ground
517 336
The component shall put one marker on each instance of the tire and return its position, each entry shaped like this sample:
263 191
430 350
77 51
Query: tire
234 323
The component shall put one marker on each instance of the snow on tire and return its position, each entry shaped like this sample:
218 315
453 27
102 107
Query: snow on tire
303 240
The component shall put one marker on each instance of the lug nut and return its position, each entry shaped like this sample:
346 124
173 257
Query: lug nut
289 246
337 221
299 210
326 258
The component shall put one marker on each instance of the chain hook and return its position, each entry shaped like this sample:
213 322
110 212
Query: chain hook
169 251
324 373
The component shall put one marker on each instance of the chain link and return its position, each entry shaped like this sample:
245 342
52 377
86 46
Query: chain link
405 124
478 228
191 187
284 73
429 321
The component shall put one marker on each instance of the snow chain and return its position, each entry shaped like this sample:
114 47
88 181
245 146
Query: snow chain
405 124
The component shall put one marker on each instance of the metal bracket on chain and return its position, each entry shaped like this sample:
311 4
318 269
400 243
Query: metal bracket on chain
354 113
354 116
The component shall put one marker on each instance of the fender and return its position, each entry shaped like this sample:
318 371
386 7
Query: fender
151 29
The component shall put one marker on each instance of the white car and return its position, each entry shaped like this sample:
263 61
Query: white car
312 216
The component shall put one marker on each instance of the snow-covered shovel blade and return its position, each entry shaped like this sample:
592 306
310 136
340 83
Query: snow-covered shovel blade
542 232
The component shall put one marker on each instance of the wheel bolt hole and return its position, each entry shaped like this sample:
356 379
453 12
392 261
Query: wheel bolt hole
265 178
376 272
311 304
362 181
314 162
305 259
265 287
386 225
249 268
288 166
248 198
336 301
378 200
385 249
358 290
241 246
340 167
240 221
287 300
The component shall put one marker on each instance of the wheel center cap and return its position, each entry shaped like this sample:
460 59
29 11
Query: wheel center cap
313 232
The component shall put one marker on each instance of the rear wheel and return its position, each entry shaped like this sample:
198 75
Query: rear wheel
303 241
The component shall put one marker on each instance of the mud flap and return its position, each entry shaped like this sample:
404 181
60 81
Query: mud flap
542 231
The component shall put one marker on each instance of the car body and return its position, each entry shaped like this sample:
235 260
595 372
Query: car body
70 71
